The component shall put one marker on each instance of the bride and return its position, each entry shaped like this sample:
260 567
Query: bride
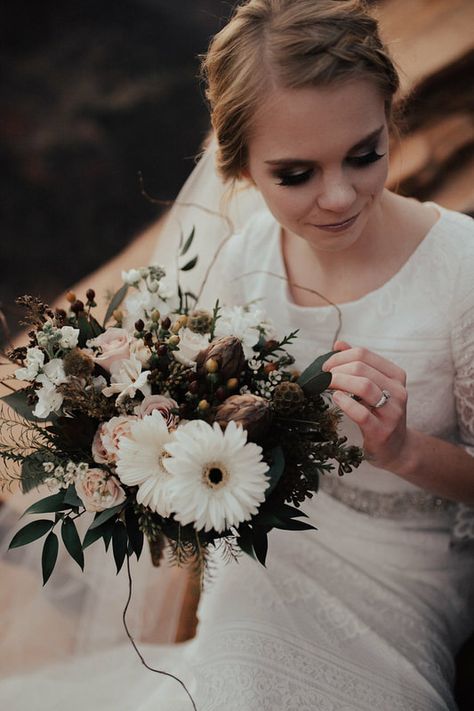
369 611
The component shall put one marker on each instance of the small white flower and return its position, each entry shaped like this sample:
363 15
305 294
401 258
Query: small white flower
189 346
49 399
69 337
48 467
131 277
59 472
255 364
54 370
241 323
140 462
34 364
218 478
127 378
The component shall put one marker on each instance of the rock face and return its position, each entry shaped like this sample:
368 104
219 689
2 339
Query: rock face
93 93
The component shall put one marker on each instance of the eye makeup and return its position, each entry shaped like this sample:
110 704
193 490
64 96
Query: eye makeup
288 178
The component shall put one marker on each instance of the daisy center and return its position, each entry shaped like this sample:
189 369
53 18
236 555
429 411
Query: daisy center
215 476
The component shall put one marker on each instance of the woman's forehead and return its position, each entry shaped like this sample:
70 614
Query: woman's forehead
323 118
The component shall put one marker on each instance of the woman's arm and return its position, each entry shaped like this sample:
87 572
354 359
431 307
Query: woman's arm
431 463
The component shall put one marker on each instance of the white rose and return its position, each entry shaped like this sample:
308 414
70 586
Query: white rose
69 337
189 346
34 363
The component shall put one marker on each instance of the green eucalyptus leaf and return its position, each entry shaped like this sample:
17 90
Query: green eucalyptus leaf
313 380
105 515
119 544
49 555
31 532
50 504
188 242
92 535
115 302
72 541
190 265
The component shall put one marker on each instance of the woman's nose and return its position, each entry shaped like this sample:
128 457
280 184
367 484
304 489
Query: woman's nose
336 193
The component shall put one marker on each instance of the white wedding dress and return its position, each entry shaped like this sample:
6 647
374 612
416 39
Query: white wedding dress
367 612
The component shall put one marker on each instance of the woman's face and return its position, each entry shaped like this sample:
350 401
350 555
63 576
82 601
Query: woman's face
319 157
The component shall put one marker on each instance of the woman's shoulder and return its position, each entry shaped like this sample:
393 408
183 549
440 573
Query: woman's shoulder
258 236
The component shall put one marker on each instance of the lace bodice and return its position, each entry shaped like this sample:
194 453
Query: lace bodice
422 318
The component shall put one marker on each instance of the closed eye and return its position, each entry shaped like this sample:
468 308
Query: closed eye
367 159
294 178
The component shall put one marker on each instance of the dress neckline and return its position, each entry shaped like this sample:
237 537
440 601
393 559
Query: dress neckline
421 246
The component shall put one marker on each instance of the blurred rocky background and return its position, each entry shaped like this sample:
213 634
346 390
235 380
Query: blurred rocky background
93 93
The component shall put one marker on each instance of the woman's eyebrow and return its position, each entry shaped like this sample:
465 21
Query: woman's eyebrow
298 161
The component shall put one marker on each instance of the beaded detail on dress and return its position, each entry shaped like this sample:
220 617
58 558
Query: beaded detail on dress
385 505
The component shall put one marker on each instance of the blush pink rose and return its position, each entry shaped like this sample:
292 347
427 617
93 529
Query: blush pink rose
114 345
98 491
163 404
106 439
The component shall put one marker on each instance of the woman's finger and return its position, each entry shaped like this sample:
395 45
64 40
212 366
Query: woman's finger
356 411
364 388
358 354
362 370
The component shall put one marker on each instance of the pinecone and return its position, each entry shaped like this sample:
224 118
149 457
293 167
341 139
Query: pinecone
287 398
250 411
200 321
228 354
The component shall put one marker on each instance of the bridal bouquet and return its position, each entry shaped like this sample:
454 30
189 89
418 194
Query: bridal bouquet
185 426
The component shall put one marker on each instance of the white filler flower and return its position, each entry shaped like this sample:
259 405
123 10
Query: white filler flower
218 478
140 462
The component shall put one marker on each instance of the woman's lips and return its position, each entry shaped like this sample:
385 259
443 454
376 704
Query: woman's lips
340 226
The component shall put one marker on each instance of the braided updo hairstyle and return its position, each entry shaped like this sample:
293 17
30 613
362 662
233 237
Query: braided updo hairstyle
289 44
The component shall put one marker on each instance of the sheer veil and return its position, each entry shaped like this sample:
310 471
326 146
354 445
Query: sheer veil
77 613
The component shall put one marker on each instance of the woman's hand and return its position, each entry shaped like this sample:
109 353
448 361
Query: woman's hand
359 372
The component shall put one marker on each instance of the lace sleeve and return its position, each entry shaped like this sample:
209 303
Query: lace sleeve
463 360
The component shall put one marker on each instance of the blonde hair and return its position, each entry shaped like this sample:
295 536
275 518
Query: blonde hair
290 44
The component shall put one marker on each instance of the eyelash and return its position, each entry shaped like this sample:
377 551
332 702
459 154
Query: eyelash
289 180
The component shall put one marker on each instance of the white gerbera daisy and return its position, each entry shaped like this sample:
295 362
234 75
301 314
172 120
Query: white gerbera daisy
140 462
218 478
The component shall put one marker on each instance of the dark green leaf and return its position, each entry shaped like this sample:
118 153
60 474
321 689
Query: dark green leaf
31 532
188 242
117 299
276 470
245 542
119 544
190 265
49 555
92 536
135 535
17 401
72 541
50 504
286 511
72 498
108 529
32 472
95 327
313 380
105 515
260 544
293 525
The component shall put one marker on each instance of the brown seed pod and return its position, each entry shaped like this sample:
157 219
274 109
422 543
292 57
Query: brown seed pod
251 411
287 397
228 354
